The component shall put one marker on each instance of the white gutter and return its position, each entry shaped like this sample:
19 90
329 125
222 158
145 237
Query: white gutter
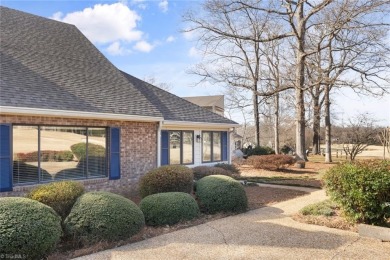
198 124
159 144
75 114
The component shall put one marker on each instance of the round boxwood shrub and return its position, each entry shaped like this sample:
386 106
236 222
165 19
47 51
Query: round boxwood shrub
218 193
203 171
362 189
229 167
169 178
59 195
28 228
104 216
168 208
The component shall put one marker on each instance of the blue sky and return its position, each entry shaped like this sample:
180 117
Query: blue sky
144 38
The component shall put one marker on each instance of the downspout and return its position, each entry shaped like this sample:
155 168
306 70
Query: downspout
159 143
231 132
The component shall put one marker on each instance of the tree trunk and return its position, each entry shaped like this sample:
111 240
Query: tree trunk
255 99
276 126
299 86
328 134
316 125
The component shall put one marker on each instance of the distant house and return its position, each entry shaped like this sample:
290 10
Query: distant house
66 112
215 104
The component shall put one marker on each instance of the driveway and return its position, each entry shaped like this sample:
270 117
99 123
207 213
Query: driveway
266 233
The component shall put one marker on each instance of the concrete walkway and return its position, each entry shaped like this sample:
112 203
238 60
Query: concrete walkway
266 233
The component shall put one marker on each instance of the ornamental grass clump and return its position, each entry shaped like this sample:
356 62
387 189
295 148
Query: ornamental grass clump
169 178
103 216
28 228
169 208
362 189
218 193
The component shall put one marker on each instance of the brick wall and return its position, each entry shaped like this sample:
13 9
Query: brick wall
138 151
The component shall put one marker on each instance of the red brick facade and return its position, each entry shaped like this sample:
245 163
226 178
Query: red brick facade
138 150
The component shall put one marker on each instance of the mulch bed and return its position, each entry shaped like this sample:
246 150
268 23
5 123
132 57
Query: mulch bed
257 197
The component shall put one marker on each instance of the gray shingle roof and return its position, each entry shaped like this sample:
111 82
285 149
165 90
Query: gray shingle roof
207 101
173 107
51 65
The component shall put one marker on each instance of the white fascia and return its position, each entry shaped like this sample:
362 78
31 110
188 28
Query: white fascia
75 114
200 125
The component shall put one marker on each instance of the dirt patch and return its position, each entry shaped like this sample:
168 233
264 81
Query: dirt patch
257 197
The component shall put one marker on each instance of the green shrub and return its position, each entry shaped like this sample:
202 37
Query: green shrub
104 216
28 228
203 171
218 193
168 208
271 162
258 150
80 150
323 208
286 149
229 167
59 195
362 189
167 178
46 156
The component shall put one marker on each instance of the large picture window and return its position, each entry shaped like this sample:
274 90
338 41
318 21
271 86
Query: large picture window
50 153
181 147
211 146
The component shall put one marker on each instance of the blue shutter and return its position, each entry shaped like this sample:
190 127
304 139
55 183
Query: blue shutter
224 146
5 158
164 147
115 153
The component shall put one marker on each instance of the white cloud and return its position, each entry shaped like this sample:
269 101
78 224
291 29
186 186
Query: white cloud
163 5
193 52
171 39
57 16
116 49
105 23
143 46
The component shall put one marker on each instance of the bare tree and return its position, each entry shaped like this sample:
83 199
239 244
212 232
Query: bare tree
384 138
359 133
230 37
152 80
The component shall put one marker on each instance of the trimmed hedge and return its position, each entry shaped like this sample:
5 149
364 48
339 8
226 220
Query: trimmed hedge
104 216
169 208
169 178
272 162
28 228
203 171
258 150
218 193
46 156
229 167
362 189
59 195
94 150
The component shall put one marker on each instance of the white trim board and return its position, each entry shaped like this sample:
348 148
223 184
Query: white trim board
75 114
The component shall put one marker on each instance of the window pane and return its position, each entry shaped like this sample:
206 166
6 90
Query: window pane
174 147
96 152
206 139
25 155
217 148
63 153
188 144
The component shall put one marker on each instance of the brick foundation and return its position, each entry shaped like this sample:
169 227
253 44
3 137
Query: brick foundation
138 151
